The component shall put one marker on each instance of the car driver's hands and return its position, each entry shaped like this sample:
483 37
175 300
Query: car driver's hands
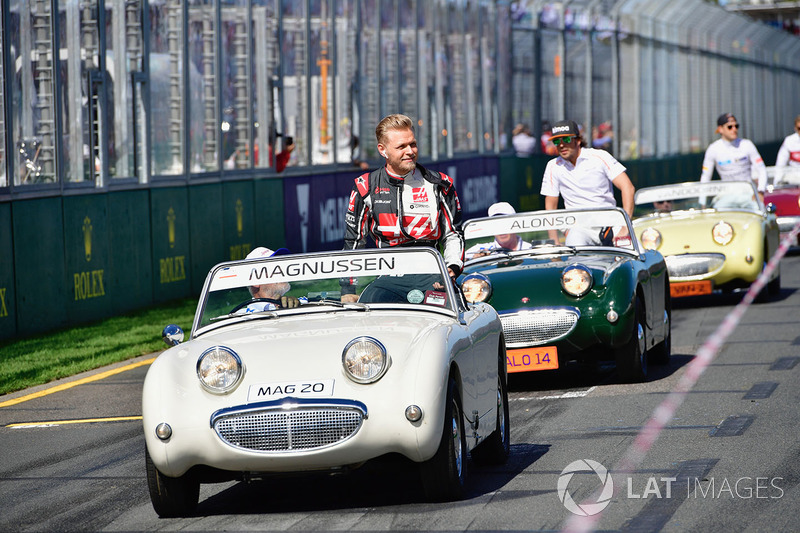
349 298
289 302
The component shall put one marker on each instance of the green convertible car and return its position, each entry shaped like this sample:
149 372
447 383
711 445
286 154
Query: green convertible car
570 285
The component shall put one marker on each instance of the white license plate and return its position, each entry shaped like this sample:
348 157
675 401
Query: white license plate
319 388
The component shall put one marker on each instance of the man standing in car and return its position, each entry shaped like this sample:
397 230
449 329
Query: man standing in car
403 203
583 177
735 159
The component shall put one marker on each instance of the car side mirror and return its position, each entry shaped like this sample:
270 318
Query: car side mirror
172 335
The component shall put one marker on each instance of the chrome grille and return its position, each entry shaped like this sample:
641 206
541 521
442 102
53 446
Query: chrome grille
693 265
538 326
289 430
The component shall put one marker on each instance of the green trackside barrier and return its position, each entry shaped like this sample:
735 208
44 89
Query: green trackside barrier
521 181
86 256
207 238
8 310
269 213
41 286
239 219
130 276
169 218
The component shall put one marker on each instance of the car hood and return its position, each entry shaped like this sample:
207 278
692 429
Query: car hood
325 331
787 201
690 231
522 282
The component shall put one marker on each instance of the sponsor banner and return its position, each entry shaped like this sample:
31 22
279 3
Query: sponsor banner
543 221
335 265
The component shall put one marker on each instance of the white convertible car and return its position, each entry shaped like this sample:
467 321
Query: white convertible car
326 385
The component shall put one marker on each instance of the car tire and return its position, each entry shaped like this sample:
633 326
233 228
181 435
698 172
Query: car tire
497 446
444 475
171 496
774 286
632 356
661 353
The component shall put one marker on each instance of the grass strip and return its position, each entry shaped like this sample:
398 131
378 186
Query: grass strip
41 359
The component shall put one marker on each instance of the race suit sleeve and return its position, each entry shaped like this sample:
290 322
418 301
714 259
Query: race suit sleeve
357 215
708 164
355 224
759 169
451 240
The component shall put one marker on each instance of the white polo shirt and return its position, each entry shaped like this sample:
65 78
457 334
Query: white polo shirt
587 183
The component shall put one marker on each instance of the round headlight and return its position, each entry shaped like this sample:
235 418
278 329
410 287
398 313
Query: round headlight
364 360
576 280
476 288
219 369
722 233
651 239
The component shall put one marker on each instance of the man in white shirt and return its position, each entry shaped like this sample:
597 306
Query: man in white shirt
735 159
583 177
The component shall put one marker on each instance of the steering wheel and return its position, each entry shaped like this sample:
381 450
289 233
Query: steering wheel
276 303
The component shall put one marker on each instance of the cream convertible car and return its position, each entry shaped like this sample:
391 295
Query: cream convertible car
409 369
715 235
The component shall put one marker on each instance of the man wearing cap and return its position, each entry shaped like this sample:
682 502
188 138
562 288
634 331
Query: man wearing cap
583 177
507 242
403 203
269 296
735 159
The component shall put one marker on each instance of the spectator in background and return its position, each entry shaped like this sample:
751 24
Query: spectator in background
735 159
603 137
355 154
524 143
547 145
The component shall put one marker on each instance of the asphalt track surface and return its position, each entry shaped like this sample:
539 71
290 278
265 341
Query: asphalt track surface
727 460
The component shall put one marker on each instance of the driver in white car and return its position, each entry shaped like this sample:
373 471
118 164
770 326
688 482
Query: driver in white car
270 296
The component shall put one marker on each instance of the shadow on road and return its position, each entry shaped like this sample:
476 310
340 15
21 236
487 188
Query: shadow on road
388 481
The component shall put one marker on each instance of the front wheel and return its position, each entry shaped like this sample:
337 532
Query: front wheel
444 475
171 496
632 357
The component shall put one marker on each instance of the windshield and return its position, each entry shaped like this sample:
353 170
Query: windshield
779 177
668 199
352 279
546 231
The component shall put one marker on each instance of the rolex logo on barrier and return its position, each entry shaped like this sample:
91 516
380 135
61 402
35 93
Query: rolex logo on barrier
87 238
172 269
239 217
88 284
171 227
